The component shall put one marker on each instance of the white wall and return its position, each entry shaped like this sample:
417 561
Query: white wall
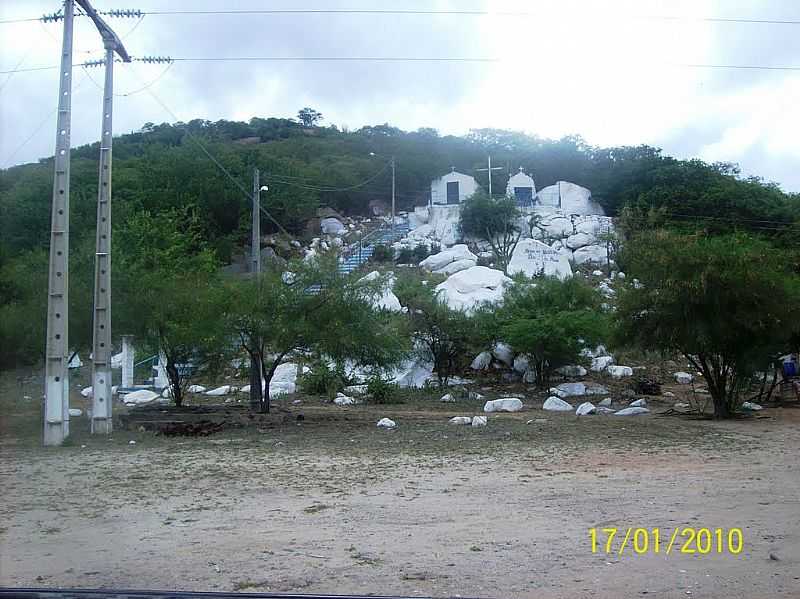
466 187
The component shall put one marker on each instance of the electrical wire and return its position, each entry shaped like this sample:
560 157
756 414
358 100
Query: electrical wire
130 93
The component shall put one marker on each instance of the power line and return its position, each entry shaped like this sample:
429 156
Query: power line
413 59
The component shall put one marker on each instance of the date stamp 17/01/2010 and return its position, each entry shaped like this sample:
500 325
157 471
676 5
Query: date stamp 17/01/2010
681 540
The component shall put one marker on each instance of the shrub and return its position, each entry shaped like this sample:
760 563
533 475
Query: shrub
323 380
382 391
382 253
405 256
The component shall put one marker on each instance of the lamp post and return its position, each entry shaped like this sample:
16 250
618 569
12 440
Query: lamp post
255 243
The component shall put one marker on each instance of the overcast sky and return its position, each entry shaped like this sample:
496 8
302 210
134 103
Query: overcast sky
599 69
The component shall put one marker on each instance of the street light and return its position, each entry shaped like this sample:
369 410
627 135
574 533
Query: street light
393 194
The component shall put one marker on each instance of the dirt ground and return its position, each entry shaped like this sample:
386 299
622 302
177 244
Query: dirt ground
333 504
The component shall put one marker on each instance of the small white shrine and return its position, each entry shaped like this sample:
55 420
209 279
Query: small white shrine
522 188
452 188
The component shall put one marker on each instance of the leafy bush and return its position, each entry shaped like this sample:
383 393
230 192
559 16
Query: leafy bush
323 380
382 253
382 391
405 256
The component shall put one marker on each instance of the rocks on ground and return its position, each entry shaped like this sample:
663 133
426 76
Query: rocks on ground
504 404
556 404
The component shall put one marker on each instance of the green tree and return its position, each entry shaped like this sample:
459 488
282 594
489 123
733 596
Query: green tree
308 116
723 302
550 321
309 308
493 221
165 291
440 334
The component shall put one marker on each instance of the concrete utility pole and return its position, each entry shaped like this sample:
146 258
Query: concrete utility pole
56 378
101 333
393 187
256 240
489 170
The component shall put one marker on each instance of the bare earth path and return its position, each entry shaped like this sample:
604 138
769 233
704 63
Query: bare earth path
342 507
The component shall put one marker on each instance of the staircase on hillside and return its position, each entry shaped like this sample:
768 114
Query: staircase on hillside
358 253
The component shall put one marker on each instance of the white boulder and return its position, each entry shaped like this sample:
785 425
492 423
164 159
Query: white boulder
579 240
555 404
455 267
87 392
632 412
284 380
479 421
570 390
639 403
533 258
460 420
356 389
481 361
504 353
605 403
332 226
522 363
754 407
683 378
386 423
412 374
223 390
456 253
571 370
198 389
447 398
619 372
387 300
504 404
590 253
600 363
468 289
141 396
344 400
585 409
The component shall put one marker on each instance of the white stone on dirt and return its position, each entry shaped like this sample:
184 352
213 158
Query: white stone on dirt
600 363
479 421
585 409
555 404
386 423
504 404
569 390
504 353
460 420
632 412
639 403
754 407
683 378
332 226
680 405
596 390
245 389
197 389
605 403
223 390
571 370
619 372
598 273
87 392
533 258
668 394
344 400
603 410
75 412
481 361
141 396
447 398
468 289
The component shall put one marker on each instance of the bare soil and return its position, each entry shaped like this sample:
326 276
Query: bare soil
332 504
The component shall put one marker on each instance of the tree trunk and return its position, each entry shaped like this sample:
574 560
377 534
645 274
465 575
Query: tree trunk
256 393
174 382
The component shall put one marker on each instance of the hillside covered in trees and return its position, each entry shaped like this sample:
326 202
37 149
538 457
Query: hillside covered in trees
193 178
